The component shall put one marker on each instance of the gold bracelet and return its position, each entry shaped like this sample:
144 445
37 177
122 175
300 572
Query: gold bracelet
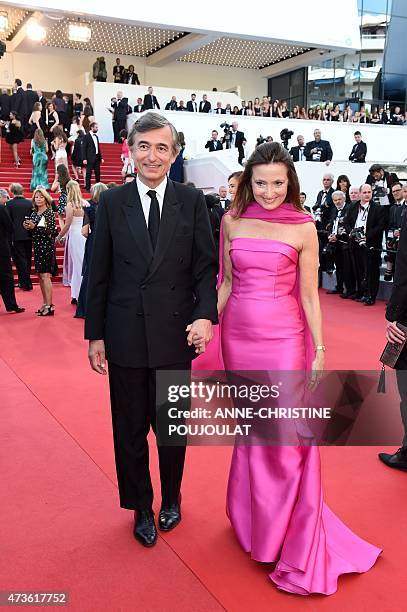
320 347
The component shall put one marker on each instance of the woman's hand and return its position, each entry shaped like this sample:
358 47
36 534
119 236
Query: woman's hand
317 369
28 224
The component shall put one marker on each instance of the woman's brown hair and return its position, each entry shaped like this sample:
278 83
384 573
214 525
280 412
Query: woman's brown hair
39 137
266 153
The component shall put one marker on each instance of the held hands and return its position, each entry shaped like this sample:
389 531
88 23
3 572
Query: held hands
199 334
96 356
394 334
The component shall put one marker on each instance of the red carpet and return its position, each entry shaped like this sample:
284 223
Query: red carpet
62 529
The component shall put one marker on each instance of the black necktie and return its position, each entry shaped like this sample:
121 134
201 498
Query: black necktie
153 218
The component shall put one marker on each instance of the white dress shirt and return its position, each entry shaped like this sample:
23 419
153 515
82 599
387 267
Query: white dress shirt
95 142
362 216
146 200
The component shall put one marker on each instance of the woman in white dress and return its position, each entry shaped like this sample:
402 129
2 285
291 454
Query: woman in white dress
73 225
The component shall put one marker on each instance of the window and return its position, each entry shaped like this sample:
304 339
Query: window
368 63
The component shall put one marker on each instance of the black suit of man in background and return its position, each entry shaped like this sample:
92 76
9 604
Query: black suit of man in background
6 275
18 208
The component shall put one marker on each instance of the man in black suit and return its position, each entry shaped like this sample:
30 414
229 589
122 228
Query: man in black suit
151 305
92 155
297 153
318 150
396 312
18 101
192 106
237 140
359 150
19 208
118 71
121 109
43 101
224 202
150 100
31 98
337 241
323 210
139 107
6 274
181 106
214 144
172 104
204 105
367 222
5 107
219 110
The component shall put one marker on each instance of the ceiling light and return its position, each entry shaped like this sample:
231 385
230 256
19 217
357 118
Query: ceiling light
3 22
35 31
79 32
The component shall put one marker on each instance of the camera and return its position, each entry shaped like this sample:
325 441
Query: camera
285 136
358 235
225 126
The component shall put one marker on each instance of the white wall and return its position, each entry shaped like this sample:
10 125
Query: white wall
51 68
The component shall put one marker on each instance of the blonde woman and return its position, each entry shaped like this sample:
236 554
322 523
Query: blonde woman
73 224
43 227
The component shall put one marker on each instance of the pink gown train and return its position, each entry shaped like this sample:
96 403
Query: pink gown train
274 499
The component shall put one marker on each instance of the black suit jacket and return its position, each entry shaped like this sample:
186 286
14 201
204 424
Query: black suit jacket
374 224
190 107
5 106
131 79
211 145
89 149
358 153
139 108
31 97
140 302
6 232
171 105
150 104
397 306
219 111
295 153
18 208
324 145
19 103
204 107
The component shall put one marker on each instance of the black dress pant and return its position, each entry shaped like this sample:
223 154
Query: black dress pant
22 254
7 283
132 397
401 373
348 271
339 267
92 167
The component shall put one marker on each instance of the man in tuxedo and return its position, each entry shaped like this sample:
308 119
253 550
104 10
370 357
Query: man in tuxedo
121 109
224 202
337 240
237 140
5 107
151 305
118 71
92 155
139 107
219 110
348 265
150 100
204 105
172 104
396 312
367 222
6 274
214 144
397 212
181 106
318 150
192 106
359 150
19 102
322 210
297 153
18 209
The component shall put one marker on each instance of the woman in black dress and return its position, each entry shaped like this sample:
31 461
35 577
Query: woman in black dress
52 122
43 227
14 135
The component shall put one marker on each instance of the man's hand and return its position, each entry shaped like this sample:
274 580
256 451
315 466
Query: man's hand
84 161
394 334
96 355
199 334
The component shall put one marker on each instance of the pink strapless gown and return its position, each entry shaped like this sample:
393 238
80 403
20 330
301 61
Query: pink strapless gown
275 500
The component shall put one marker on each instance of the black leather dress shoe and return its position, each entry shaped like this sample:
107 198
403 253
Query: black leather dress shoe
144 528
333 292
370 302
16 309
398 460
347 296
169 517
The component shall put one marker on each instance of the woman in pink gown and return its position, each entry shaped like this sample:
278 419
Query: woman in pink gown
271 320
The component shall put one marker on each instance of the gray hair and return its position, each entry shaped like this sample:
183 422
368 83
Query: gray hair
16 189
3 193
341 193
153 121
329 175
96 190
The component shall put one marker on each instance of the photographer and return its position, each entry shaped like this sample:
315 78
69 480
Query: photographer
381 183
285 136
297 153
234 139
214 144
366 223
322 212
337 240
397 211
318 150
